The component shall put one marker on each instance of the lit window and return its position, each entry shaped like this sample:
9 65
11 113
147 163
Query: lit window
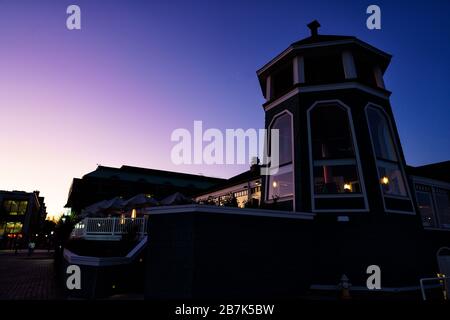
13 227
281 183
15 207
335 170
390 175
425 204
443 207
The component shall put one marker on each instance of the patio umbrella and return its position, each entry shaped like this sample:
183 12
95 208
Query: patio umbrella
115 205
176 198
93 209
99 209
140 201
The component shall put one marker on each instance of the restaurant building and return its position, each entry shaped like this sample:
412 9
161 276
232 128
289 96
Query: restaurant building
341 200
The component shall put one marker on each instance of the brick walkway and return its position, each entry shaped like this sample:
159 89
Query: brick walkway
31 278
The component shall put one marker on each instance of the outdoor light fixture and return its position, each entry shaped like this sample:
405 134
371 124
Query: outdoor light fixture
385 180
274 184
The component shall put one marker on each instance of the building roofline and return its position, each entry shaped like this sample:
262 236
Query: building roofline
238 179
149 171
296 47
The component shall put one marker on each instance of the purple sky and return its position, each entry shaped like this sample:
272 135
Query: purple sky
113 92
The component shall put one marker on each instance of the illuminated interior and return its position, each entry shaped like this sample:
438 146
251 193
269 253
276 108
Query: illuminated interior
281 182
15 207
334 162
391 177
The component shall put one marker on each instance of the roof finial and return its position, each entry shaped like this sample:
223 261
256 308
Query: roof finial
314 26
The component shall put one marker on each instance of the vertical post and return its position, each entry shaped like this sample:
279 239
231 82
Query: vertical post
349 65
114 225
145 224
299 69
84 222
268 88
379 77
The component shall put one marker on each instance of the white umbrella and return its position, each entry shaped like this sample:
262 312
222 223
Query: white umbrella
176 198
115 204
98 208
140 201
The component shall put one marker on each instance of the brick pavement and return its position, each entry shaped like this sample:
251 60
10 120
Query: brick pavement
30 278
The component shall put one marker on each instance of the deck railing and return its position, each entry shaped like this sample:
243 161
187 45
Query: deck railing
109 228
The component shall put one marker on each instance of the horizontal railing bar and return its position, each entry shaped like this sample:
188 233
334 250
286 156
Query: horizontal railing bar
109 226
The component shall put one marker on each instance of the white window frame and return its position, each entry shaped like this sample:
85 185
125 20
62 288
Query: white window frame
356 161
399 162
292 163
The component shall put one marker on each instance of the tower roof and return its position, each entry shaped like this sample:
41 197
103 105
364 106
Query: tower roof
321 38
316 40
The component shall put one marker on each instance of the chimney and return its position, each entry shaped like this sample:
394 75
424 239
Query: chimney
255 165
314 26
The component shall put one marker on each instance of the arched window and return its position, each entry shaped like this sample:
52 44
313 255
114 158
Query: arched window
281 182
335 169
390 174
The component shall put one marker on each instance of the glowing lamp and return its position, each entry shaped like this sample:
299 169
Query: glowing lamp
274 184
347 187
385 180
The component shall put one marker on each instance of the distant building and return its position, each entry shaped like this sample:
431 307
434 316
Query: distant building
106 183
21 215
432 191
244 187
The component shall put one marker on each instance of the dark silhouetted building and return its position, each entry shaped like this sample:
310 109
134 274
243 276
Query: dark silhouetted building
105 183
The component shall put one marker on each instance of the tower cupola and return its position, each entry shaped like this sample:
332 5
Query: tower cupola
325 94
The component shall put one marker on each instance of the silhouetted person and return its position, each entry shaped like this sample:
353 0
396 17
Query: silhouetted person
16 246
31 246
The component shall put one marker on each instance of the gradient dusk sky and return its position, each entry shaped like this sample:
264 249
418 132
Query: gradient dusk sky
113 92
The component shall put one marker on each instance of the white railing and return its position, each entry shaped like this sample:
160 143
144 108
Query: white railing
109 228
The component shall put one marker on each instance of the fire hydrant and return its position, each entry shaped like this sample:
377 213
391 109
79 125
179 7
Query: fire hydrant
345 285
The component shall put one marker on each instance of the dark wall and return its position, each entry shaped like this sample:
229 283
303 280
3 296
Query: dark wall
102 281
211 255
